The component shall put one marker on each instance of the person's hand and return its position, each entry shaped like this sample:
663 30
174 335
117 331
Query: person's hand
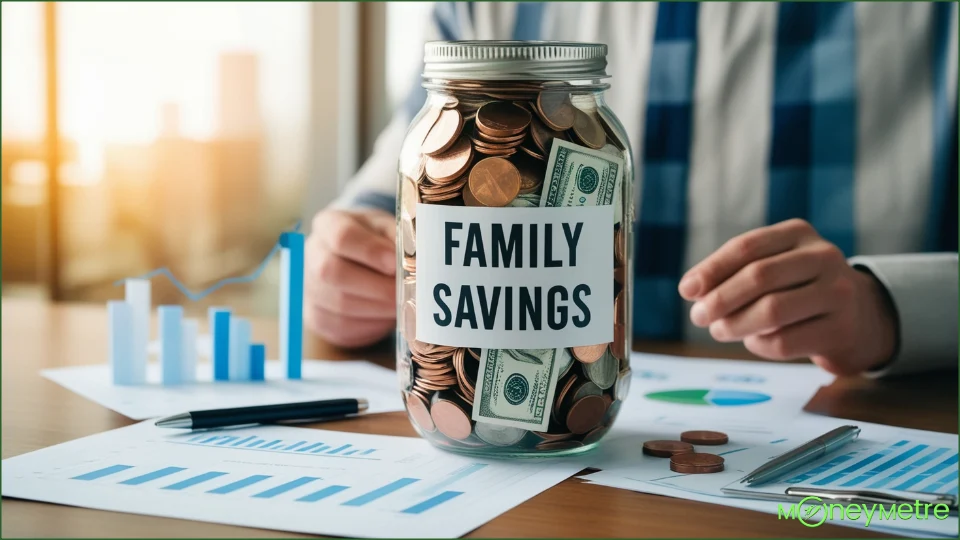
788 293
350 288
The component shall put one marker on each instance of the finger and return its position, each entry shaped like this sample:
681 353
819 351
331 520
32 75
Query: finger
788 269
341 302
350 237
382 223
346 331
773 311
798 340
331 270
740 251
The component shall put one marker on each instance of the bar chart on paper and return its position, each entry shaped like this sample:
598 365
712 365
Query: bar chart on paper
235 357
278 477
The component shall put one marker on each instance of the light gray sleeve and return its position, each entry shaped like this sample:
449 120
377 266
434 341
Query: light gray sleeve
375 184
923 289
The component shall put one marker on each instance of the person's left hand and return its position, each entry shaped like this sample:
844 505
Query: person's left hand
788 293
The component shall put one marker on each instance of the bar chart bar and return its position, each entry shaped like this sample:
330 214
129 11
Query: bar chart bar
338 449
820 469
242 441
258 359
255 443
432 502
311 447
239 349
903 471
321 449
271 444
295 445
858 465
283 488
952 460
900 458
188 352
122 342
137 294
100 473
380 492
199 479
322 494
220 332
239 484
171 322
368 452
226 440
209 440
144 478
291 303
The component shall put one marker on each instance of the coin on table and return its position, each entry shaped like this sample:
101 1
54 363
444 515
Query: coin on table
443 133
666 449
556 110
589 353
604 371
696 463
704 437
494 182
498 435
450 419
589 131
417 407
451 164
586 414
502 119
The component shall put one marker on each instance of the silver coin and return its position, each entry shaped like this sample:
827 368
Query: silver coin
498 435
565 362
622 389
604 371
587 389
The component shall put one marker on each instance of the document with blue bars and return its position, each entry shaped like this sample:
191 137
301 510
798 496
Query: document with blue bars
273 477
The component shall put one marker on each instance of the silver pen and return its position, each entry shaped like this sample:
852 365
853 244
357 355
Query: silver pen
801 455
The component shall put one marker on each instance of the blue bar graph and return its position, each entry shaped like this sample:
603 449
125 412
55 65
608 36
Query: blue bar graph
900 458
100 473
939 467
311 447
321 449
903 471
239 357
820 469
947 479
350 453
189 482
210 439
368 452
144 478
432 502
283 488
239 484
295 445
226 440
862 463
242 441
252 442
291 303
953 491
258 358
455 477
170 329
380 492
337 450
272 443
322 494
255 443
220 330
122 342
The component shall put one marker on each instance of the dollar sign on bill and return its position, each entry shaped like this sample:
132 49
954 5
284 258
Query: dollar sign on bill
515 387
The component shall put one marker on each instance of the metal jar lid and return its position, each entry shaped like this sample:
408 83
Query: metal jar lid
514 60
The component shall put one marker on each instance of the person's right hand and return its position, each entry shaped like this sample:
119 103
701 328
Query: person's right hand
350 267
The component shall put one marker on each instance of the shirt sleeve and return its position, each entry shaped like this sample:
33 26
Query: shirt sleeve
923 290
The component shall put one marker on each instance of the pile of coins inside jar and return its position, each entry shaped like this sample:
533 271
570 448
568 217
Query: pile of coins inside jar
488 144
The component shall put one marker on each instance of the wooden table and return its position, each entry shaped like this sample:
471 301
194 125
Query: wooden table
37 413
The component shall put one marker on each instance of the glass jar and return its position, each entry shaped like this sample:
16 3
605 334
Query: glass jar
514 235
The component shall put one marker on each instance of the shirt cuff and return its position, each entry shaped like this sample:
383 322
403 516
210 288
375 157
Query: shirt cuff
923 290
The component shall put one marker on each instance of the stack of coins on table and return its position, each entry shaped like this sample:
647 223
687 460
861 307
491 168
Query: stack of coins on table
684 458
488 144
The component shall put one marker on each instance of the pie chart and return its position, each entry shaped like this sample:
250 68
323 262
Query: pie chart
709 397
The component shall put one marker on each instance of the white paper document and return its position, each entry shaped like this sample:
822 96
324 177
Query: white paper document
322 379
294 479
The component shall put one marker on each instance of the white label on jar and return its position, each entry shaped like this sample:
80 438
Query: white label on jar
514 278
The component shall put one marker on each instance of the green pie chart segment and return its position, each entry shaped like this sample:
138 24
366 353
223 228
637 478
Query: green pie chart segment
709 397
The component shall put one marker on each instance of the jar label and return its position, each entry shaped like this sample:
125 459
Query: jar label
514 278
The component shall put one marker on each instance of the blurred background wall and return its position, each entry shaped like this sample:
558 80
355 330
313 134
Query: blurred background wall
184 135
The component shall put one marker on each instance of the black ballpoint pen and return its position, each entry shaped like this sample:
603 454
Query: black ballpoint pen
266 414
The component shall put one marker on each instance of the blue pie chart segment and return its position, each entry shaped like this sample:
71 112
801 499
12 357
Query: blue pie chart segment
734 398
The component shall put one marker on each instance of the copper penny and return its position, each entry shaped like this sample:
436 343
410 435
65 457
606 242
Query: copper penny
696 463
411 159
586 414
417 407
468 198
595 435
494 182
532 153
410 198
450 419
531 173
410 321
409 233
618 313
618 347
558 445
620 274
589 131
502 119
589 354
709 438
556 110
444 132
619 247
561 394
543 136
451 164
666 448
